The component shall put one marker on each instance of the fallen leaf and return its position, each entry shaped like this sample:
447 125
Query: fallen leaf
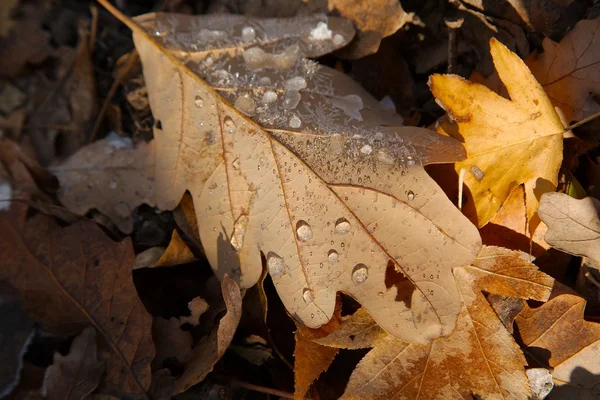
374 20
568 70
573 225
197 307
110 175
176 253
480 358
211 348
69 278
310 357
325 188
557 333
76 375
508 228
172 343
500 134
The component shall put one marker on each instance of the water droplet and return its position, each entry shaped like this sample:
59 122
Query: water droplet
275 265
342 226
239 232
380 294
209 137
366 149
385 158
338 39
333 256
303 231
307 295
236 164
269 96
360 273
198 101
291 100
410 195
296 83
228 124
246 105
248 34
295 122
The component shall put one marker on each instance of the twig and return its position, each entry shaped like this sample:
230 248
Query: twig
255 388
592 279
93 28
133 57
452 25
583 121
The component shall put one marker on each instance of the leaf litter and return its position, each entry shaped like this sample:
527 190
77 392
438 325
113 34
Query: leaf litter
269 164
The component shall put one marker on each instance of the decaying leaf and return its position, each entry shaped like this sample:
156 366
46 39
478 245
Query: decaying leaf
310 357
558 334
69 278
508 142
322 180
480 358
76 375
374 21
210 349
573 225
110 175
568 71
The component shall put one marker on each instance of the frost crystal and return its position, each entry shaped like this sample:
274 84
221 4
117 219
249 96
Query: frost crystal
296 83
321 32
295 122
269 97
248 34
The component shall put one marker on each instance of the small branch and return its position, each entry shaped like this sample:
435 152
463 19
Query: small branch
583 121
461 184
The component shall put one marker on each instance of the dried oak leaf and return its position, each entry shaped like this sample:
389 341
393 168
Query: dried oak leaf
480 358
374 21
568 71
508 142
322 180
73 277
558 333
573 225
110 175
211 348
76 375
310 357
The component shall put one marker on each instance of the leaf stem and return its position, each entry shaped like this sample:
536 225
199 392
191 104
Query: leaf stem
583 121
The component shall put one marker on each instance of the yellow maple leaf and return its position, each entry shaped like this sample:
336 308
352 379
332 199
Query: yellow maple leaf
508 142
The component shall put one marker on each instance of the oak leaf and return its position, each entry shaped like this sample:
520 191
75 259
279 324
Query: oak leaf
70 278
310 357
573 225
508 142
480 358
110 175
558 329
77 374
322 180
568 71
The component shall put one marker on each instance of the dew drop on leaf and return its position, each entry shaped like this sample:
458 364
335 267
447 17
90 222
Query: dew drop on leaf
248 34
236 164
338 39
245 104
303 231
275 265
342 226
292 98
269 96
333 256
307 295
198 101
228 124
477 173
295 122
410 195
360 273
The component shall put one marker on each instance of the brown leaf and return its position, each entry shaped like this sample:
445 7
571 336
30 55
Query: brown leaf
69 278
210 349
573 225
479 358
110 175
77 374
557 332
568 70
197 307
327 188
171 342
176 253
312 358
374 20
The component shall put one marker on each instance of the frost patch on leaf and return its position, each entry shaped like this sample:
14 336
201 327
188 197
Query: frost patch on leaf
321 32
